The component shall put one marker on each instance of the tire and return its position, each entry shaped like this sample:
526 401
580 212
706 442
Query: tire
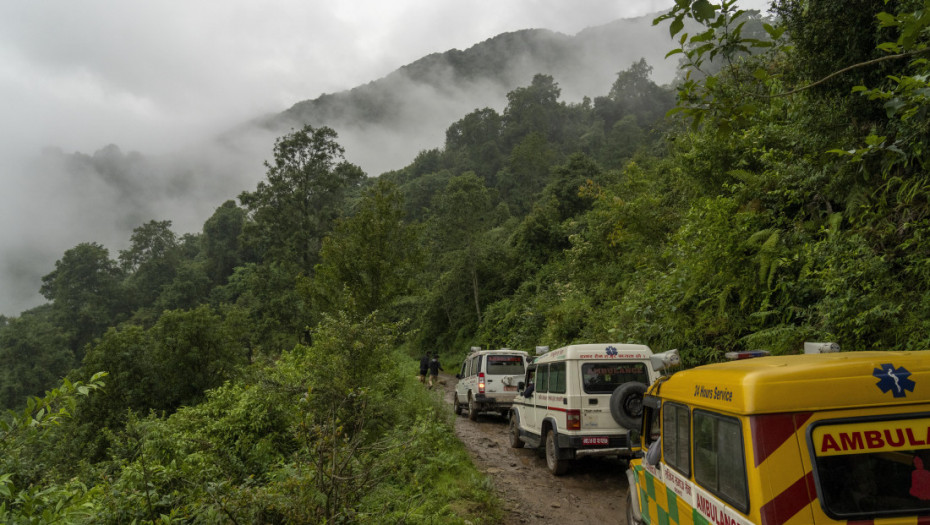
472 409
515 441
630 519
555 465
456 406
626 405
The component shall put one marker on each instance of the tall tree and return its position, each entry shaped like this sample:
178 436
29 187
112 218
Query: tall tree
535 108
151 261
305 188
527 172
635 93
221 241
85 292
474 142
369 259
461 213
34 355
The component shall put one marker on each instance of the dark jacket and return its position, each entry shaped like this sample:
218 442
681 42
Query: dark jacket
435 367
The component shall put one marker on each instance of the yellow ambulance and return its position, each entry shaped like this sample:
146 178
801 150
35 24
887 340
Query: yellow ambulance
800 439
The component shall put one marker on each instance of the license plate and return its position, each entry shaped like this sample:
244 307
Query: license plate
595 441
510 388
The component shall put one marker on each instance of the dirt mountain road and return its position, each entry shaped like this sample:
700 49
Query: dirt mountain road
593 491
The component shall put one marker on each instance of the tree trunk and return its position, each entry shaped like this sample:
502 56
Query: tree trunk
474 287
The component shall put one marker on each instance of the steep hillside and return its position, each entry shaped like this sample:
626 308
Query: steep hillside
385 123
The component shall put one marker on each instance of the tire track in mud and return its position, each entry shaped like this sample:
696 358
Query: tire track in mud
592 492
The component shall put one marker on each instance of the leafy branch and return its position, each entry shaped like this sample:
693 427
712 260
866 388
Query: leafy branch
723 37
51 503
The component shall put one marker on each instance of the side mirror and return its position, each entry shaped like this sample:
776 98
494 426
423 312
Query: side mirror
636 439
458 376
520 386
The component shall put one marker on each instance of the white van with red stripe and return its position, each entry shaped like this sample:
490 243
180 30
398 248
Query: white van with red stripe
582 400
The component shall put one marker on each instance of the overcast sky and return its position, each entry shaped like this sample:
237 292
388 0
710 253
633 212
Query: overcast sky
156 75
152 75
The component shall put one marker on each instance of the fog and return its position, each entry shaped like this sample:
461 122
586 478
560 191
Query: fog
151 86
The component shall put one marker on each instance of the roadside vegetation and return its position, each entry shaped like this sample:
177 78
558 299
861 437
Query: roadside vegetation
262 371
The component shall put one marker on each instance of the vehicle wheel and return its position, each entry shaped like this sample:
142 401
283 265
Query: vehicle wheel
555 465
472 409
515 441
456 406
630 519
626 405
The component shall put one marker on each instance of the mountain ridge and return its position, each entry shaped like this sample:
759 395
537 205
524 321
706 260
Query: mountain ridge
584 64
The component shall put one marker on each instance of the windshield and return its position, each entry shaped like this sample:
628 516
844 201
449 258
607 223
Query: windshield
604 378
499 365
871 469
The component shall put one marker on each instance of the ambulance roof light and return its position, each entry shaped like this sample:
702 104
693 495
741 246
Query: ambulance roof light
746 354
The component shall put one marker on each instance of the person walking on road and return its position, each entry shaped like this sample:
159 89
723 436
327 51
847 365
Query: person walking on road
424 367
434 368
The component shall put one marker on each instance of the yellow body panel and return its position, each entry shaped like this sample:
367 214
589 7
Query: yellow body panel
796 383
842 404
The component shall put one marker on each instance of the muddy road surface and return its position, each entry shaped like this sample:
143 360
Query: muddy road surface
592 492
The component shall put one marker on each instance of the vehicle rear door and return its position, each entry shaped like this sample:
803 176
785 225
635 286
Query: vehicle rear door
599 379
502 373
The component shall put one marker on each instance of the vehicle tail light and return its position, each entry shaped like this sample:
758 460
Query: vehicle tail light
573 419
481 382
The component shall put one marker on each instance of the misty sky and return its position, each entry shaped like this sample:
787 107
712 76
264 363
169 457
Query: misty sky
155 76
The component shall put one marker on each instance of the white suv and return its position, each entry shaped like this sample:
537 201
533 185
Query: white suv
582 400
488 381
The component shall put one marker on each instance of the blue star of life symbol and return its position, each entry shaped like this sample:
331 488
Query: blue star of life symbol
611 350
894 379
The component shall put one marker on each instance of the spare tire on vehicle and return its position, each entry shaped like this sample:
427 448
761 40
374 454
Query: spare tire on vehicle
626 405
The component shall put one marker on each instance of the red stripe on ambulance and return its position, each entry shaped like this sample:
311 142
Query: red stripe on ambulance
791 501
771 431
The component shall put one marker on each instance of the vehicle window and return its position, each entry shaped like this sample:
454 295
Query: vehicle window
542 378
718 457
463 373
557 378
676 437
871 469
652 417
471 367
530 377
478 364
505 365
604 378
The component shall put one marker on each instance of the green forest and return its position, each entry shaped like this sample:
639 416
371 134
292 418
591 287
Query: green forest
263 369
